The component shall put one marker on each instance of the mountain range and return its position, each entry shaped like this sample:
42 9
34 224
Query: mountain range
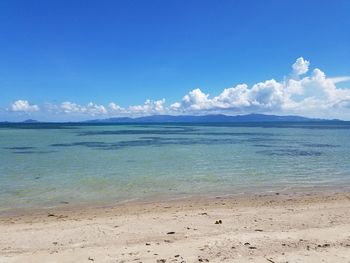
204 118
214 118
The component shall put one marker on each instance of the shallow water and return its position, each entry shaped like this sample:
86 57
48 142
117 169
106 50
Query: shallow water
45 165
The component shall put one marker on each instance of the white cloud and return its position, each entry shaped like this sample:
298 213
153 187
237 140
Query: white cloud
90 109
195 100
301 66
69 107
339 79
94 109
149 107
115 107
24 106
313 94
262 96
267 95
309 95
233 97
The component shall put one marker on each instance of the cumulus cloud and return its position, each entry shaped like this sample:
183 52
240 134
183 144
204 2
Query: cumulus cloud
301 66
69 107
194 100
115 107
24 106
266 95
304 92
314 94
307 95
149 107
90 109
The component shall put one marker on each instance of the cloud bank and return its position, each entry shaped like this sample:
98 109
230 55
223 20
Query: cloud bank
303 92
23 106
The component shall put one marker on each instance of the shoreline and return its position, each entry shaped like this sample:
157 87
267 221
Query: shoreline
71 206
257 228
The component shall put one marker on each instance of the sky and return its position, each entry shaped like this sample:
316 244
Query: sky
65 60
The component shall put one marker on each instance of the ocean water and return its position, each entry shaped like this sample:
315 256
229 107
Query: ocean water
47 165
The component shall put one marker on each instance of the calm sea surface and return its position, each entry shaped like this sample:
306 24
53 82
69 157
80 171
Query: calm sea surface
43 165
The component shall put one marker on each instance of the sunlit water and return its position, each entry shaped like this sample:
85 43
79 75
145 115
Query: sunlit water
49 165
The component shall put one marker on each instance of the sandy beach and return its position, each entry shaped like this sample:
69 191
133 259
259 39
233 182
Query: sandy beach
259 228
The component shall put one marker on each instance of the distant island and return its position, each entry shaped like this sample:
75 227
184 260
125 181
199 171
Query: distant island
214 118
218 118
30 121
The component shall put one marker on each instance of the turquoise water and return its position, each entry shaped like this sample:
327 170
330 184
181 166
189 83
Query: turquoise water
45 165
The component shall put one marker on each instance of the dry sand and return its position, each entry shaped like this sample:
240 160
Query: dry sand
270 228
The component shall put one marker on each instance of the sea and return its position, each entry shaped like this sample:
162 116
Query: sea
44 165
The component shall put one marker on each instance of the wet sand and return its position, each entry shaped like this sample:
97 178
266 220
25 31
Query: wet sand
258 228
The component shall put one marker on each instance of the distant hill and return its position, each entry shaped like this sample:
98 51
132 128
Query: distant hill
19 122
30 121
218 118
204 118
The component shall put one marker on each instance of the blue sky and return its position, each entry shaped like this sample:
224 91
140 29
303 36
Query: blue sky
69 60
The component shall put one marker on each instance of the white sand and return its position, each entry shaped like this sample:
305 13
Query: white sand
283 228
